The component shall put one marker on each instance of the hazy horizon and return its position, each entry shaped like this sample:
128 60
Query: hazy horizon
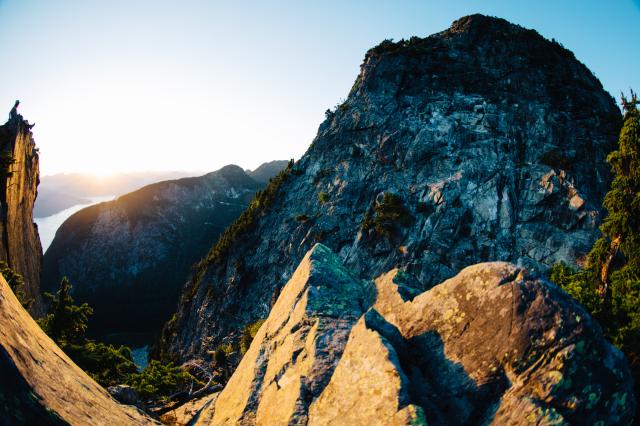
192 86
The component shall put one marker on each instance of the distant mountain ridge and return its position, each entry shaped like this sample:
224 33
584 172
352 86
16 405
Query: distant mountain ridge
61 191
129 257
267 170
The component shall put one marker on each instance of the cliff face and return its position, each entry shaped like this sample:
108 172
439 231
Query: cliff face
128 258
480 143
20 244
491 345
40 385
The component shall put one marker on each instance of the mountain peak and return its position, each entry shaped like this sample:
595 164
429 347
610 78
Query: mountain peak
483 143
480 22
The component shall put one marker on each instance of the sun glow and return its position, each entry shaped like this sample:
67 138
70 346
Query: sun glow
121 86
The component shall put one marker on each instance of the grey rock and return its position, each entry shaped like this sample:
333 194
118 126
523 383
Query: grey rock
297 348
486 131
492 345
124 394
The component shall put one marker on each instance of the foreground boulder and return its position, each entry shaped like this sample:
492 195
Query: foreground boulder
40 385
482 142
492 345
124 394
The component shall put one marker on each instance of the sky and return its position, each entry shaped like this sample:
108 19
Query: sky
117 86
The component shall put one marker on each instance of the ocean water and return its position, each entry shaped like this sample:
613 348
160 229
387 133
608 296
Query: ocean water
138 343
47 226
140 357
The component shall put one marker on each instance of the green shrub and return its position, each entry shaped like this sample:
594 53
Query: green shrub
16 284
227 349
302 217
323 197
248 333
409 47
106 364
223 353
6 161
159 380
387 46
387 215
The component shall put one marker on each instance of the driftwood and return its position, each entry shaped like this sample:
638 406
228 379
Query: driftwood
604 272
182 397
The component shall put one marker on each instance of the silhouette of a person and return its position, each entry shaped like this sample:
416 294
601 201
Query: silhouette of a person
13 114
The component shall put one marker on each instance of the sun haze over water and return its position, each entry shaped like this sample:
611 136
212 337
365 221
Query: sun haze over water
194 85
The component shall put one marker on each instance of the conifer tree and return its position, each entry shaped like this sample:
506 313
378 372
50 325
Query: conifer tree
621 226
16 283
609 285
67 322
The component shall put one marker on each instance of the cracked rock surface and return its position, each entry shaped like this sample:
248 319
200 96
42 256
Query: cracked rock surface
492 345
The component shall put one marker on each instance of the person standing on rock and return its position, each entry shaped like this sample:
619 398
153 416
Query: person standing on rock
13 114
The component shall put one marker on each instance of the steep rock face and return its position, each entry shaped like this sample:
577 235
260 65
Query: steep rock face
40 385
491 345
482 142
298 347
20 244
128 258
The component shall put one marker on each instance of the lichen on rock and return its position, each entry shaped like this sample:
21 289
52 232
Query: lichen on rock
492 345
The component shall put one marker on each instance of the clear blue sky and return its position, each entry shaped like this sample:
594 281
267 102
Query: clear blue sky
193 85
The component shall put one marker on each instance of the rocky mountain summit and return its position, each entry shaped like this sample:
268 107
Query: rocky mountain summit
484 142
19 243
492 345
128 258
40 385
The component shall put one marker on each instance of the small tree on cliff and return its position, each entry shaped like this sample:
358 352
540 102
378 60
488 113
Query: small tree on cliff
609 286
67 322
16 283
